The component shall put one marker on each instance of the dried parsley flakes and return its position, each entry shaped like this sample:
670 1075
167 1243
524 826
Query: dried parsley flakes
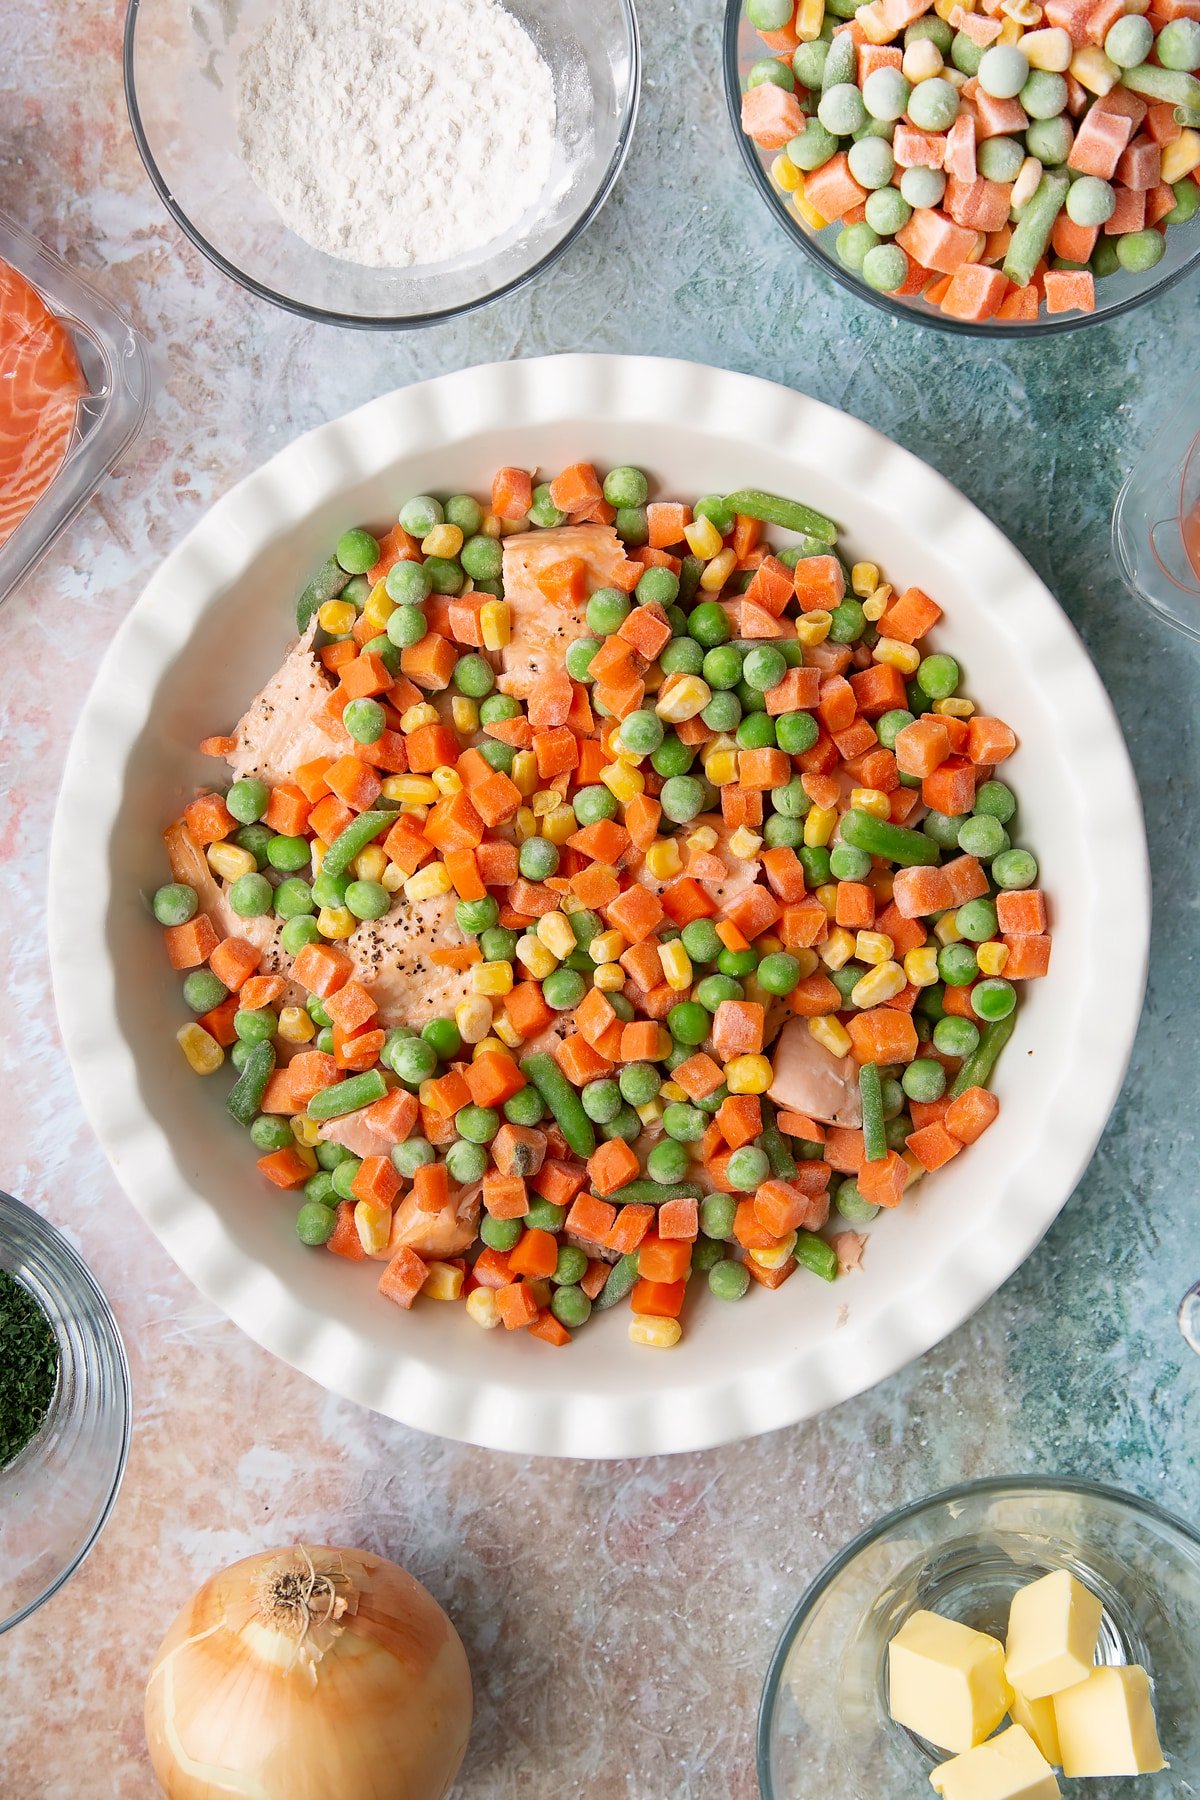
28 1366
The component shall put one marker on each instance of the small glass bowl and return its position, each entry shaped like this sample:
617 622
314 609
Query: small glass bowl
1114 294
824 1728
56 1495
181 66
1156 522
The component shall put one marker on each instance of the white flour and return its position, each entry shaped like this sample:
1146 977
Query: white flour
393 132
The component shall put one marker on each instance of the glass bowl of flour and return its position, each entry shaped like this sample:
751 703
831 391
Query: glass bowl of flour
382 163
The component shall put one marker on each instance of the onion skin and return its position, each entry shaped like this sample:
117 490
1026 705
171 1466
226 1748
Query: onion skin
383 1713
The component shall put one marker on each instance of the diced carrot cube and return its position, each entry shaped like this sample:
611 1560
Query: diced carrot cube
763 769
516 1306
686 900
208 819
910 616
679 1219
662 1259
951 787
780 1207
376 1181
740 1119
657 1299
590 1218
628 1229
635 913
968 1117
505 1196
512 493
1028 956
535 1254
612 1165
882 1183
933 1146
322 969
882 1035
855 905
814 996
1021 911
576 489
190 944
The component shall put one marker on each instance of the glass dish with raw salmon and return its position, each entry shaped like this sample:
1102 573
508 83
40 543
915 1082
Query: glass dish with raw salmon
608 896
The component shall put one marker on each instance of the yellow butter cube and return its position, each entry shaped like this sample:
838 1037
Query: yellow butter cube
1106 1725
1053 1625
1009 1767
946 1681
1037 1718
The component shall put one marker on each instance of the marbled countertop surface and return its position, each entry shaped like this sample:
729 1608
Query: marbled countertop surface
619 1617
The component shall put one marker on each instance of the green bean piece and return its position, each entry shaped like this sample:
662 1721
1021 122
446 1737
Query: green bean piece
1171 86
783 1163
813 1253
347 1096
653 1193
870 1088
245 1096
357 835
563 1101
326 584
977 1069
621 1278
1031 233
880 838
790 515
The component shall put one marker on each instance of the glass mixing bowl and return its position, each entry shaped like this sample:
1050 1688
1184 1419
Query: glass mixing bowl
180 84
1114 294
824 1727
56 1495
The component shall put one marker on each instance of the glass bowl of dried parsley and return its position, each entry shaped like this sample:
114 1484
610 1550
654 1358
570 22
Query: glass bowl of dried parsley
64 1411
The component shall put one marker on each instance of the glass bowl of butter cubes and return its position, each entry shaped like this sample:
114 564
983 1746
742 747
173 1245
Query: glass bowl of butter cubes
1020 1639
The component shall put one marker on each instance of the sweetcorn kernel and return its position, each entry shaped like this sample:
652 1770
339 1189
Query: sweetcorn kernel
609 977
525 823
946 930
831 1034
534 956
703 839
660 1334
650 1113
606 946
905 657
555 932
448 781
379 606
559 825
818 826
443 1282
416 716
370 864
745 844
482 1309
777 1255
663 859
716 573
524 773
748 1074
464 714
810 17
337 617
495 624
622 781
881 983
492 978
837 949
473 1018
721 767
420 790
920 966
682 697
490 526
864 578
373 1225
295 1025
230 861
306 1131
1181 157
433 879
336 922
813 628
991 957
392 878
827 894
807 211
671 1090
955 706
871 800
443 540
704 540
873 947
676 966
202 1050
506 1031
876 604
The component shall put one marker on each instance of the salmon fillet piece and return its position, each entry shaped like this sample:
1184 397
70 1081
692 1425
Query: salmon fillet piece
741 874
41 384
808 1079
391 957
277 732
541 629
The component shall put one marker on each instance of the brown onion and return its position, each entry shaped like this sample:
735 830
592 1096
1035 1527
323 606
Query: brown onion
309 1674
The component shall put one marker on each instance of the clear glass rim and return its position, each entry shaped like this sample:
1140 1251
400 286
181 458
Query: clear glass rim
997 1485
935 321
395 321
104 1326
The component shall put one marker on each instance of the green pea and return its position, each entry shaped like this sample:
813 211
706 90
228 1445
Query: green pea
943 828
498 944
419 515
526 1107
475 916
938 676
712 990
368 899
238 1053
728 1280
497 755
791 799
414 1061
482 557
657 584
796 732
478 1124
357 551
543 511
364 720
955 1037
709 624
571 1307
783 834
639 1083
849 864
849 621
251 896
976 919
924 1080
737 963
668 1161
466 1162
778 973
254 1025
473 676
408 583
632 526
756 732
982 836
846 979
767 69
571 1266
498 707
537 859
763 668
641 731
175 903
673 757
563 989
1139 251
500 1234
626 486
443 1037
1014 869
993 999
957 964
851 1204
591 804
626 1125
202 990
717 1214
682 799
747 1168
406 626
686 1124
996 800
248 799
607 611
270 1133
315 1222
700 940
412 1155
289 854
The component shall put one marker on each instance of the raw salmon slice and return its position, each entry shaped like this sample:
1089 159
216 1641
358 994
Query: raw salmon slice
41 384
541 629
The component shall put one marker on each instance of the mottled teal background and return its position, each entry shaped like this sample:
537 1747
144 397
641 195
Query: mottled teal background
619 1617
